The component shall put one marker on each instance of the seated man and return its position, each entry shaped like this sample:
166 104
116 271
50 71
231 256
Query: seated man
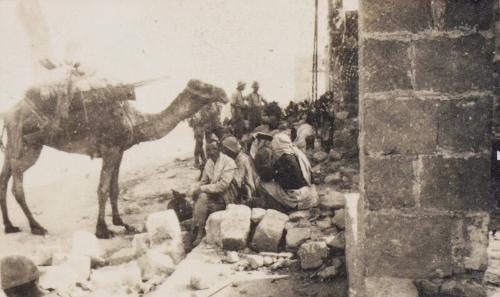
264 156
292 188
216 189
245 176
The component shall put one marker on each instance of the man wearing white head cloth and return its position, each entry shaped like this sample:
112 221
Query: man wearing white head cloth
292 188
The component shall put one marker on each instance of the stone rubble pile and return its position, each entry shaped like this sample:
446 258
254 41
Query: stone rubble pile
132 271
313 239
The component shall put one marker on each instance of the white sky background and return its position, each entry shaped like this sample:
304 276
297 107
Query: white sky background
217 41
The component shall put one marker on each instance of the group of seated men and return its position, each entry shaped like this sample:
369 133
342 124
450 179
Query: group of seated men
274 174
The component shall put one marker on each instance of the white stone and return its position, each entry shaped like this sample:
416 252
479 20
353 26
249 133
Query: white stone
80 265
235 227
155 263
86 244
128 275
312 254
60 278
162 226
268 261
43 256
269 231
296 236
257 214
231 257
122 256
299 215
339 218
255 261
333 178
212 228
174 248
141 243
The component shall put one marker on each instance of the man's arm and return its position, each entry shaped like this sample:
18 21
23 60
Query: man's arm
221 185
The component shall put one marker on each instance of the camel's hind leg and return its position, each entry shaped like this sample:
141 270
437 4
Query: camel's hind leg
19 165
4 180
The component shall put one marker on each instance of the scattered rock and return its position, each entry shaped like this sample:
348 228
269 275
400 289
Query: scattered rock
268 260
80 266
339 218
332 200
334 156
320 156
172 248
269 231
122 256
212 228
155 263
312 254
60 278
43 256
328 272
334 178
162 226
198 282
231 257
59 258
324 223
128 275
299 215
336 241
257 214
296 236
235 227
86 244
255 261
141 243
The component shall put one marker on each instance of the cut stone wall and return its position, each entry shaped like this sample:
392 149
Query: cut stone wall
426 93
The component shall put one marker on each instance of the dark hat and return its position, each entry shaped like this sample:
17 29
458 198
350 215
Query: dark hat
263 136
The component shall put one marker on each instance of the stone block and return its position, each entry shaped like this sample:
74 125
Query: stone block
405 246
465 125
296 236
455 183
122 256
389 182
400 126
385 67
60 278
173 248
257 215
324 223
162 226
80 266
339 218
336 241
464 14
332 200
128 276
320 156
141 243
269 231
235 227
231 257
469 288
395 15
155 263
255 261
390 287
212 228
312 254
328 272
86 244
454 65
333 178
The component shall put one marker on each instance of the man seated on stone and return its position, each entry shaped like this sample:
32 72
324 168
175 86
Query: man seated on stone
292 188
245 176
215 190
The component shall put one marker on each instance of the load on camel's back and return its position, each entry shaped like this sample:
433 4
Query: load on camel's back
84 114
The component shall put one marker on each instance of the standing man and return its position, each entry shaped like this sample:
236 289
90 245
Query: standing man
256 105
216 189
238 107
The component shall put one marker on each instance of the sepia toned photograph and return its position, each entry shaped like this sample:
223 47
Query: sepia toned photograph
267 148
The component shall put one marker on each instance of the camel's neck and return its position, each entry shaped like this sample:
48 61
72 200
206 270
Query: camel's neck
158 125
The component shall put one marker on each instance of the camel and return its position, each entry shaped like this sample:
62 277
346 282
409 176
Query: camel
103 130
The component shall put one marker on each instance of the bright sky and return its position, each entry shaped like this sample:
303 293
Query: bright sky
218 41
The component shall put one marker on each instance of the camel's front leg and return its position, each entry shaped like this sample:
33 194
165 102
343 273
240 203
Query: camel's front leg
114 195
110 161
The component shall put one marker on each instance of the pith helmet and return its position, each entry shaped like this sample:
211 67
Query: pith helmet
241 84
16 271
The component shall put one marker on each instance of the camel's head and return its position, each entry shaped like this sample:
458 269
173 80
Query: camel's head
207 92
